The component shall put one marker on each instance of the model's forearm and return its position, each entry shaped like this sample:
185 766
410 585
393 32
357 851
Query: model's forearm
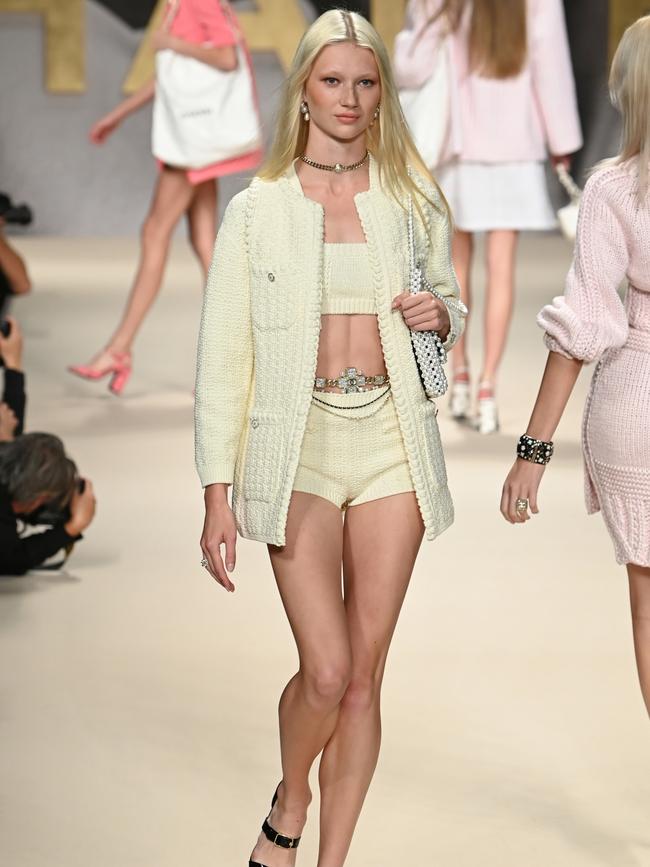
224 58
135 102
559 379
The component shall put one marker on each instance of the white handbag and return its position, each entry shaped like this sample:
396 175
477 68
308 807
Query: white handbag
428 348
568 215
428 109
203 115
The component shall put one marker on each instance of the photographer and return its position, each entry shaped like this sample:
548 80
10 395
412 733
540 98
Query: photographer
12 407
37 475
14 279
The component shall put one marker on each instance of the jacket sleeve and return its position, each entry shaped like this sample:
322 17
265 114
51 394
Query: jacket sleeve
439 268
552 75
416 45
225 352
590 317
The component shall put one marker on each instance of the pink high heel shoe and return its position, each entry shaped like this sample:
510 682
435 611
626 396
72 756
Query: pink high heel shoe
119 368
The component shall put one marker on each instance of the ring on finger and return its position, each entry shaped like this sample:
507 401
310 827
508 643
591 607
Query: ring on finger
204 563
521 505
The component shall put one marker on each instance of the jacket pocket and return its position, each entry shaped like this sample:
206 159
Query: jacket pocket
273 299
432 444
263 459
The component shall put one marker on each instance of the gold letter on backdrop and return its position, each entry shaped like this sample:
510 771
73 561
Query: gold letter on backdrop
388 18
622 13
64 41
276 26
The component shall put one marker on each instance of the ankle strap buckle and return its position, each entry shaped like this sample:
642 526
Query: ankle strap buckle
278 839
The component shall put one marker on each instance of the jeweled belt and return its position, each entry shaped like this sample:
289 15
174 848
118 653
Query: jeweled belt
350 381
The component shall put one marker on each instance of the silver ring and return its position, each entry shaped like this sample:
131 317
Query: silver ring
205 563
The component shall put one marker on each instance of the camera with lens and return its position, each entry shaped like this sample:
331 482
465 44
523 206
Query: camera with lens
18 215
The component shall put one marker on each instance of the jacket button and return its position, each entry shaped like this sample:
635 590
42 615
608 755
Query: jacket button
255 423
271 277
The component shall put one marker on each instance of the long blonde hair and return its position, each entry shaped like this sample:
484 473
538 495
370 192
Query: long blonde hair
498 40
629 86
388 140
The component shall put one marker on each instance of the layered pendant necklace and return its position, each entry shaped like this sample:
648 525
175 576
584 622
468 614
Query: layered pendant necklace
339 168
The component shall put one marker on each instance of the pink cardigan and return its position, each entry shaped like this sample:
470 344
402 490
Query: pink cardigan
519 119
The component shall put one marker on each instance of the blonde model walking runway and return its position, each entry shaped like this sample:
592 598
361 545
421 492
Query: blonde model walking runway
309 403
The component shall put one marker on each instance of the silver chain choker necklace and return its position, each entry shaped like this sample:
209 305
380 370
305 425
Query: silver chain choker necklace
338 168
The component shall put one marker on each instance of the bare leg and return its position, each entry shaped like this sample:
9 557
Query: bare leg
501 253
639 577
172 197
462 255
308 574
381 542
202 222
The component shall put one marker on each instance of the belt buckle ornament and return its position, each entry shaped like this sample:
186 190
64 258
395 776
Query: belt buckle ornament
351 380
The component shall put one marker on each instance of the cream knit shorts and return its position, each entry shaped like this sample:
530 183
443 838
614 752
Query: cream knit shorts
353 452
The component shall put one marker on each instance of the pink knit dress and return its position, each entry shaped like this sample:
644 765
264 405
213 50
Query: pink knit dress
211 22
591 322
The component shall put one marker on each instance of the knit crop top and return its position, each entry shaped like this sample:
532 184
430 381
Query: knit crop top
348 284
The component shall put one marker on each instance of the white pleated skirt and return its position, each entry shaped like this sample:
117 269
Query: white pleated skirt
486 196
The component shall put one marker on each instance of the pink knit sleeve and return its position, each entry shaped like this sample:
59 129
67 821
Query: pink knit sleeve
416 45
590 317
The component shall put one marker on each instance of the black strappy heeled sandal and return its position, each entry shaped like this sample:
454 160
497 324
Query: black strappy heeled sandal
276 838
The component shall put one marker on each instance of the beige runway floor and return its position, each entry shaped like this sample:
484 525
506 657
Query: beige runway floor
138 719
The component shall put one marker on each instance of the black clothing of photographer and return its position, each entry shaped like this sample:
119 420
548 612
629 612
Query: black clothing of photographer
12 407
14 279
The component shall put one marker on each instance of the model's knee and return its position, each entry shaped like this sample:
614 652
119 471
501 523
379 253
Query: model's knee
325 683
362 693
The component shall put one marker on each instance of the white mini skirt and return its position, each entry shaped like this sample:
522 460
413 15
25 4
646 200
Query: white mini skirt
486 196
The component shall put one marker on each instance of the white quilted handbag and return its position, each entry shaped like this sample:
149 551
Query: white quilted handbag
430 353
203 115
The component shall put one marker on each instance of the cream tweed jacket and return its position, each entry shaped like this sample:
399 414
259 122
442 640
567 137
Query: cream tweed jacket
258 345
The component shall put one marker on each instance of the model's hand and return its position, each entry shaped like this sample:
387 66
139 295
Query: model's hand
11 348
8 423
82 510
561 160
219 529
522 483
423 312
100 131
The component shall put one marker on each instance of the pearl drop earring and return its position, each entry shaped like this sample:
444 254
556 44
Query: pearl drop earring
304 109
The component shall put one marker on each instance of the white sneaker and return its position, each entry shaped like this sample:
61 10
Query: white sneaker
487 416
460 401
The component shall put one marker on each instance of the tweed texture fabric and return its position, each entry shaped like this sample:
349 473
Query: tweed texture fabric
258 345
351 457
591 322
347 281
